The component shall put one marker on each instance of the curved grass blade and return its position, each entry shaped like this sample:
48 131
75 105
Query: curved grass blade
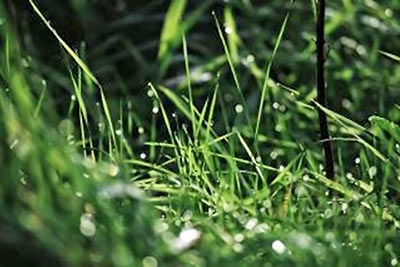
267 75
82 65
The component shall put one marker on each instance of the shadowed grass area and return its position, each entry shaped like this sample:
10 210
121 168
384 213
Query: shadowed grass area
160 134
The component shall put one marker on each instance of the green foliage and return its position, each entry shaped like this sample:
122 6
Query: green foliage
216 161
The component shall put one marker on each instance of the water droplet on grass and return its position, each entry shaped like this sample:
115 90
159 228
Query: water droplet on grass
149 262
250 224
278 247
228 30
87 226
187 215
330 237
160 227
239 238
238 108
113 170
150 93
250 58
274 155
155 110
302 240
278 128
346 104
119 190
238 247
262 228
187 238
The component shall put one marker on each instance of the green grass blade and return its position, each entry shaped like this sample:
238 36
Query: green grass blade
171 29
342 121
392 56
41 98
233 71
252 157
233 37
189 84
267 75
81 64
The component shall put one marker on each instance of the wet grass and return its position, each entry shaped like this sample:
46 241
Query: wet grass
170 135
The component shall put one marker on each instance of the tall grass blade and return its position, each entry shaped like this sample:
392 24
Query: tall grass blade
82 65
267 76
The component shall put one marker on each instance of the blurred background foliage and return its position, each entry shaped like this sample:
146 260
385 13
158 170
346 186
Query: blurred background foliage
127 44
120 40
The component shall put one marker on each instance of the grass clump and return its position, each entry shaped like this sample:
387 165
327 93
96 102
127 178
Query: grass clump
216 161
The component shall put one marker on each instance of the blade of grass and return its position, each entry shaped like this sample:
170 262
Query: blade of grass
253 159
41 97
233 37
82 65
267 76
389 55
338 118
233 71
189 84
170 30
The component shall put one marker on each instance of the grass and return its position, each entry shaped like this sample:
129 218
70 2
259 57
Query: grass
175 148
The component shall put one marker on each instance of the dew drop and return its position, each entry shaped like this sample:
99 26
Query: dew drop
389 13
250 224
239 238
87 226
228 30
150 93
238 108
344 207
187 238
238 247
149 262
113 170
155 110
274 155
278 247
250 59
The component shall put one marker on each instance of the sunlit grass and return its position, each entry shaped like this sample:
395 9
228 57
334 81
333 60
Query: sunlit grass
221 170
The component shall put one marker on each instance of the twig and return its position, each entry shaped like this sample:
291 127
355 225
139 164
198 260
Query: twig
321 87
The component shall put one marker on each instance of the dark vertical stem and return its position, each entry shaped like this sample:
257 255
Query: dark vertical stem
321 87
